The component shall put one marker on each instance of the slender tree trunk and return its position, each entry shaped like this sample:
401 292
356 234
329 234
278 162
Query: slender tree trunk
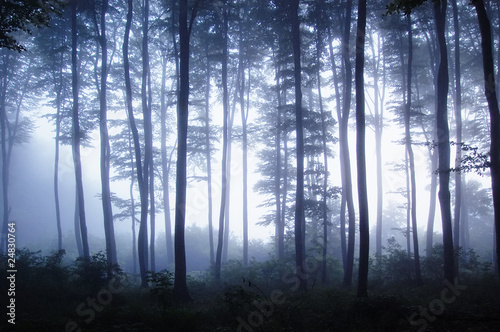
137 148
458 124
411 159
146 111
76 223
209 159
225 111
364 235
280 226
228 182
300 251
132 201
345 155
56 165
491 97
244 118
165 166
443 139
464 218
378 127
180 282
324 205
343 244
76 133
103 130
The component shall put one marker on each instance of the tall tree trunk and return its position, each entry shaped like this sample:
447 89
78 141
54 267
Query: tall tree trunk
378 127
56 162
411 159
152 238
280 225
76 133
132 201
146 112
300 251
209 159
225 111
364 235
103 130
324 207
165 166
458 124
343 244
443 139
180 282
244 118
344 149
491 97
228 180
137 148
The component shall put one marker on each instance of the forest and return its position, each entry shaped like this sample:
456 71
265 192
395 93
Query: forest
250 165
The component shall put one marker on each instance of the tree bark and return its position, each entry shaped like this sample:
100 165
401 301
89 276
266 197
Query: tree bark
180 282
165 166
137 148
491 97
364 235
344 148
104 137
411 159
76 133
443 139
458 124
225 111
300 251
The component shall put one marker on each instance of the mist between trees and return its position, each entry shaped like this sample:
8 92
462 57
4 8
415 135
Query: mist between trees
211 138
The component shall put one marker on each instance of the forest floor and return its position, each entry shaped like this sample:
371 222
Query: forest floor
459 307
50 296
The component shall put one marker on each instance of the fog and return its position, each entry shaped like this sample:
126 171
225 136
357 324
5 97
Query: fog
250 164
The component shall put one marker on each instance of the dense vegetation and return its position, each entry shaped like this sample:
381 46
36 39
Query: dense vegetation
56 294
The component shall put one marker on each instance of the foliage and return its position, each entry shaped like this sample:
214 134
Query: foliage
23 15
161 287
94 273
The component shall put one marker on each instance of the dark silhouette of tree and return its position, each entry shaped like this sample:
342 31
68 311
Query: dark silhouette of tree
411 158
109 231
225 113
180 282
364 236
491 97
76 131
